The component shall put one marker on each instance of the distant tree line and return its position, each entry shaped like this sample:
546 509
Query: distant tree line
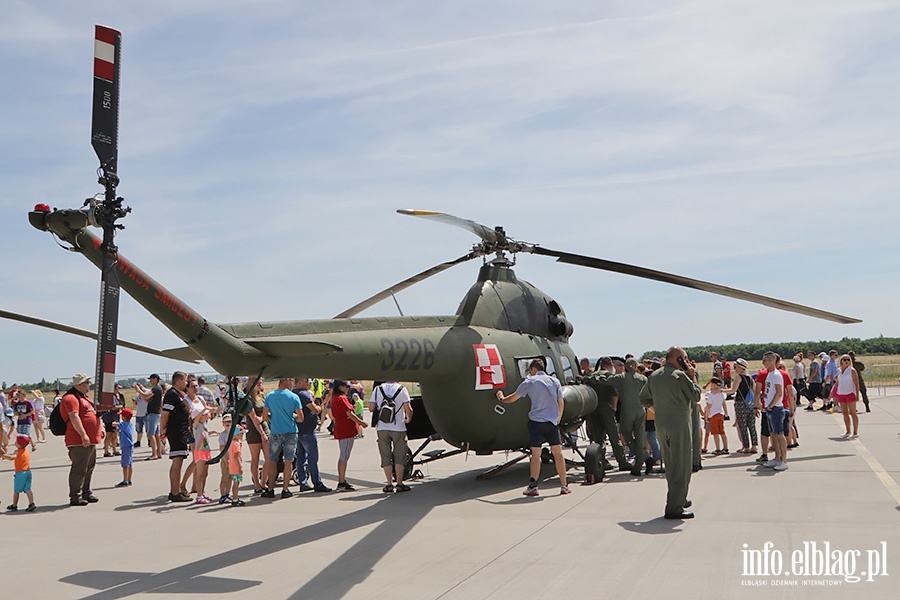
870 347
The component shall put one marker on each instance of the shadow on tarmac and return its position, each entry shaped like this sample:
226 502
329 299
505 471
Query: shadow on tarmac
394 515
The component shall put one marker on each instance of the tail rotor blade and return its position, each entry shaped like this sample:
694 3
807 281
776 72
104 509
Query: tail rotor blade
105 124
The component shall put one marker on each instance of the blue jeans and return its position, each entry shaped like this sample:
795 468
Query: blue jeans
308 452
654 445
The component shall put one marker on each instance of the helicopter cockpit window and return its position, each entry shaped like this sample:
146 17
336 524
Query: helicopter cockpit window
524 362
567 368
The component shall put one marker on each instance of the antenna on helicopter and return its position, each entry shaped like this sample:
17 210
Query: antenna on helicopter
104 210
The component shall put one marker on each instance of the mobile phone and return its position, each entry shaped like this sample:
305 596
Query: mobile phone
682 364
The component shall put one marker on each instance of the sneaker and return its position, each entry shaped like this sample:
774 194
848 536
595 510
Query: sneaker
321 487
725 451
845 436
564 490
267 494
258 492
286 494
91 498
343 486
179 497
31 507
772 463
853 437
305 487
762 458
122 484
225 499
12 508
137 444
531 490
78 502
780 466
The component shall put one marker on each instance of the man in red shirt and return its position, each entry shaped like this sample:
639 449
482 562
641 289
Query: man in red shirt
345 422
83 433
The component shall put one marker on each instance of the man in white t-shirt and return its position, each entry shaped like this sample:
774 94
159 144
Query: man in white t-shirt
390 402
773 396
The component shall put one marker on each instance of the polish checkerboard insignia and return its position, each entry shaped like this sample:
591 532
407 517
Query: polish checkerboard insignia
489 371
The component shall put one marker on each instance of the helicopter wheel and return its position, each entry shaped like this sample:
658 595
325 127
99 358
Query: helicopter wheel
593 463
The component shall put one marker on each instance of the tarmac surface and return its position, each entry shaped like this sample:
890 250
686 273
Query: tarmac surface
454 537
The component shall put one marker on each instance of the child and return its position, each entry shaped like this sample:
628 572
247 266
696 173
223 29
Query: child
22 481
126 443
359 408
202 452
225 479
235 465
715 415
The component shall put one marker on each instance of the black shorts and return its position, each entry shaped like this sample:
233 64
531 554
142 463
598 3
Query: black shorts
178 447
764 427
543 431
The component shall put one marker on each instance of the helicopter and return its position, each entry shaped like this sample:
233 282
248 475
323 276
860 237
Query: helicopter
459 361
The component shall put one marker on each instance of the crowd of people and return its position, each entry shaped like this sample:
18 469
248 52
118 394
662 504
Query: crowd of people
178 417
653 412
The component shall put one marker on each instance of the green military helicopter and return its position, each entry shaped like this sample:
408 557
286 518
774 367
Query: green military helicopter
459 360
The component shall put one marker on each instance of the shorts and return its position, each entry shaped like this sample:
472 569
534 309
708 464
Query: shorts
202 455
764 425
392 446
717 424
253 434
127 456
346 447
23 428
178 447
40 418
237 477
776 420
283 442
223 466
22 482
140 423
845 398
543 431
152 423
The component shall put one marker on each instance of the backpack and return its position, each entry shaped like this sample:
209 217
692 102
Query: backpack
56 421
388 411
748 398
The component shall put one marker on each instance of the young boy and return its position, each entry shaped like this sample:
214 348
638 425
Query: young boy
225 478
22 481
126 443
235 465
715 415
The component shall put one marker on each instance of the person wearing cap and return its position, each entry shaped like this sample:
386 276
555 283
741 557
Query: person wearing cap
345 429
83 433
225 478
632 419
744 416
126 442
154 398
22 478
674 395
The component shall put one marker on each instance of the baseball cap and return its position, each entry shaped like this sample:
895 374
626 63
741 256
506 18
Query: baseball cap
154 376
80 378
339 382
127 413
22 440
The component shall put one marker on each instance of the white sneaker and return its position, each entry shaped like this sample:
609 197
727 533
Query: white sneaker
854 436
845 436
780 466
771 464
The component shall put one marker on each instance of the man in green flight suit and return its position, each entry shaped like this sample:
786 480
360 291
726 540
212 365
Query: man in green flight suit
673 394
602 422
628 386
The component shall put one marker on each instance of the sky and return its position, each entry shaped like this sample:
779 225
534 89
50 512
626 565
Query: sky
264 148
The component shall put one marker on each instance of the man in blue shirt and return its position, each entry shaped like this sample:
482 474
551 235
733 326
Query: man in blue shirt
282 409
307 463
546 397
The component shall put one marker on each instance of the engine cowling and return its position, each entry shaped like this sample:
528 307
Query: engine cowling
578 402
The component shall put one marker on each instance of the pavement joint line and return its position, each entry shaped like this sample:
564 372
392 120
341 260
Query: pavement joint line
582 498
880 472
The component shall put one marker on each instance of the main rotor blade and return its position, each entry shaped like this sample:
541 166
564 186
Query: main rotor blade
714 288
482 231
355 310
105 122
183 354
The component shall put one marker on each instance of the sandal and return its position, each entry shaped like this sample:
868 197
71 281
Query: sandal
388 489
402 487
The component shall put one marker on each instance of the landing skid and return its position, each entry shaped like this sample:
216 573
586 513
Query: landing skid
504 466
